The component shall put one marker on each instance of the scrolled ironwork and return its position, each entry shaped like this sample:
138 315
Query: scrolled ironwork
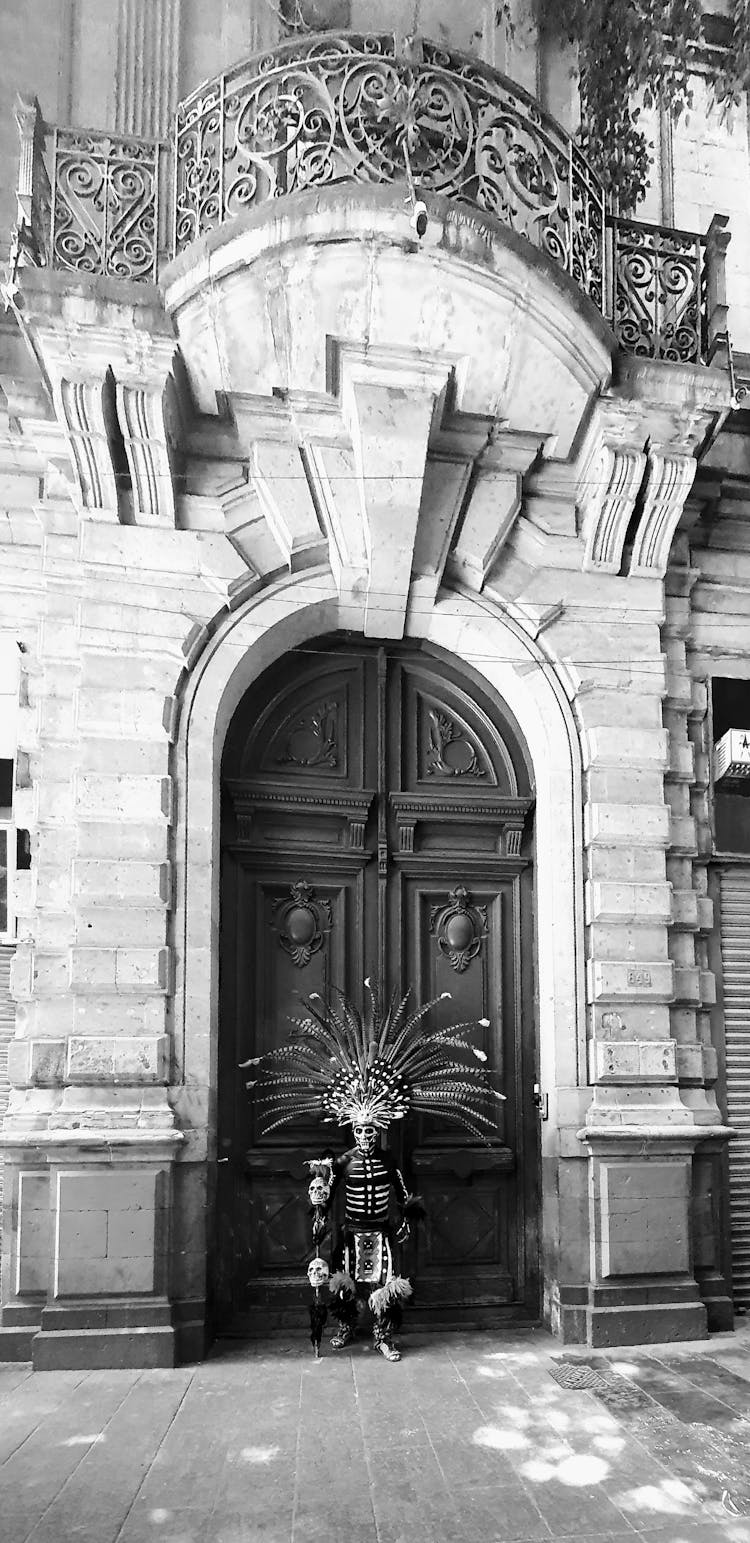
657 300
105 192
340 107
344 107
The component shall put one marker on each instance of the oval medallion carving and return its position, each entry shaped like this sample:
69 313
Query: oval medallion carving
459 928
301 923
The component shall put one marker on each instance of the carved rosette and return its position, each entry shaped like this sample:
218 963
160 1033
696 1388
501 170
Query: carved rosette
459 929
302 923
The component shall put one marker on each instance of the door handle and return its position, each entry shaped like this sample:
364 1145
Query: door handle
541 1101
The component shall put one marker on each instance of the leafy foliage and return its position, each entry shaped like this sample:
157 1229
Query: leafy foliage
736 75
633 52
629 51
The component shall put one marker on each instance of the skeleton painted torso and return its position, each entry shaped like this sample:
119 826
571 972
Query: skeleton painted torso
368 1181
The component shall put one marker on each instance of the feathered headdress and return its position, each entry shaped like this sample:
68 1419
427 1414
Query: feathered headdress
372 1069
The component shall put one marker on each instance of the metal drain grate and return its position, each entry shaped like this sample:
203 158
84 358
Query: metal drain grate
573 1376
612 1389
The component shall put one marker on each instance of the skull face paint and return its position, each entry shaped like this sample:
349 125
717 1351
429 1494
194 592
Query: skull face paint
318 1272
365 1137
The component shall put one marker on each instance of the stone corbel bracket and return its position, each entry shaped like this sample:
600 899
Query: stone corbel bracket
86 410
668 481
149 415
637 463
110 374
609 483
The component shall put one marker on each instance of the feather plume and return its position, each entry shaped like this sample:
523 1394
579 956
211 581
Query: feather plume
342 1282
351 1068
395 1290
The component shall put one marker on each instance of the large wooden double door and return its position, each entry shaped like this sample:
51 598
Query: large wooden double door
376 821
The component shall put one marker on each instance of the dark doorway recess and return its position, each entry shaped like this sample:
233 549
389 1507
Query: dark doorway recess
377 819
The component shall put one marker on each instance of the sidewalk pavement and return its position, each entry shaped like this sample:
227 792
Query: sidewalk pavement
471 1438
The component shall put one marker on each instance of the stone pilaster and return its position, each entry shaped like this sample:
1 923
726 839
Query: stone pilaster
89 1129
148 61
638 1134
686 790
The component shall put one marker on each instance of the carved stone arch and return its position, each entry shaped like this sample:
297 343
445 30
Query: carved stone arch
462 627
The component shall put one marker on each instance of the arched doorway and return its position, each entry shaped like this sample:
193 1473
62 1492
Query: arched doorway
377 819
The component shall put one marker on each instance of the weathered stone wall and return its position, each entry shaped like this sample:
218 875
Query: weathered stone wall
511 505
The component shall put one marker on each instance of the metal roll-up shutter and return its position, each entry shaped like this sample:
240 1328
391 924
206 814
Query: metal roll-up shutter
7 1028
735 950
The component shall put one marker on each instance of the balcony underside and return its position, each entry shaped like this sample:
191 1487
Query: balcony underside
268 305
407 412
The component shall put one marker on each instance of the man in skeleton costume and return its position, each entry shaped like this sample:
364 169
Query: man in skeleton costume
367 1248
366 1073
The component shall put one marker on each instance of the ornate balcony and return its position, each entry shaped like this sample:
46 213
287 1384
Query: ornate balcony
338 108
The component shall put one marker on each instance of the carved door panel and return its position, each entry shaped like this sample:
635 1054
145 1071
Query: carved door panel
375 821
294 936
465 940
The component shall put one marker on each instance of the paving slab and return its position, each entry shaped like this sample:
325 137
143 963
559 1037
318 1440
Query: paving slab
483 1438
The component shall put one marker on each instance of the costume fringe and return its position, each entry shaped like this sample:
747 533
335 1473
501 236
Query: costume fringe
343 1299
342 1281
414 1209
391 1296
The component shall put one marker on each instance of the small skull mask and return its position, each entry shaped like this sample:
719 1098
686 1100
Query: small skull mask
318 1273
318 1192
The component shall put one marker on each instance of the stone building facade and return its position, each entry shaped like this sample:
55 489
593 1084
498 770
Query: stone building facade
379 594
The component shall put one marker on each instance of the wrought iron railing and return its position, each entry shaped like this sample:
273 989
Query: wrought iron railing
657 286
97 208
338 108
332 109
105 204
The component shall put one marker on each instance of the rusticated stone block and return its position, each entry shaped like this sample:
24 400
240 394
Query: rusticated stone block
119 969
93 969
613 902
101 796
50 972
639 747
707 988
656 1062
687 985
115 1058
142 969
623 864
108 1226
627 825
21 974
681 761
690 1063
683 834
644 1218
685 908
36 1062
123 882
647 981
121 713
32 1253
632 1061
